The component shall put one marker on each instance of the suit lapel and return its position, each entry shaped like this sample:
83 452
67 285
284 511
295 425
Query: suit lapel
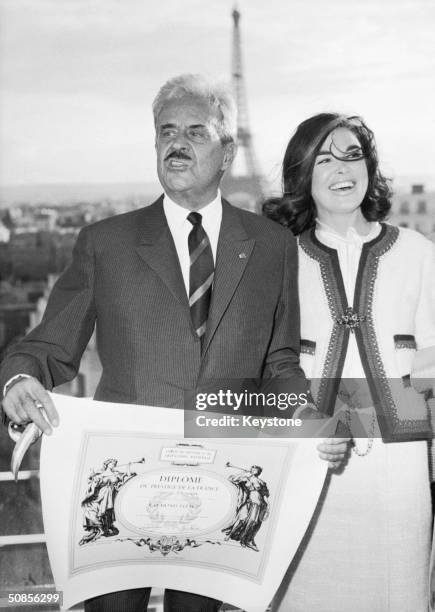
156 247
233 253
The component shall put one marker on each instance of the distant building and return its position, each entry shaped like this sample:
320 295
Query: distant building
13 321
415 209
4 233
17 304
33 254
45 219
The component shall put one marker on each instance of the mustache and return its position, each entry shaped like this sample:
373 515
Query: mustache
177 155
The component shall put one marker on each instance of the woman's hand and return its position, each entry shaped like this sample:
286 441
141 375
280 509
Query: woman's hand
334 451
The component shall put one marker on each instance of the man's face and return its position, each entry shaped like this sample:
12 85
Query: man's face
190 155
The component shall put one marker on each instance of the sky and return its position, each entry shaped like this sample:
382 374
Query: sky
77 78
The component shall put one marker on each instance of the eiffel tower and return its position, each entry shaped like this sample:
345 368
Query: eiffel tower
243 183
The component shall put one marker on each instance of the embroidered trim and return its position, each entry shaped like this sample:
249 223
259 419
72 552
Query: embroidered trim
308 347
337 303
405 341
366 337
391 426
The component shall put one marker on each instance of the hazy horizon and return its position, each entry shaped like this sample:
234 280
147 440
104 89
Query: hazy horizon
65 193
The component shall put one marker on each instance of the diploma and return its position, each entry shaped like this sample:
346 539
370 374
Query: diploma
129 503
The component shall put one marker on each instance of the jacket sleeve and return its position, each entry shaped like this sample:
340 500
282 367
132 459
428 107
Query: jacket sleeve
52 351
283 355
423 369
425 313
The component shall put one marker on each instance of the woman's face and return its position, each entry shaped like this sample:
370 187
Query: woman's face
338 186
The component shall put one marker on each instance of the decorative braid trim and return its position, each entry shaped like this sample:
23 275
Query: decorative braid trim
308 347
389 422
337 303
405 345
404 341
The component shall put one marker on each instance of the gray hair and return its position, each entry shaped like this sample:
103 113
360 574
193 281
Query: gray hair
217 95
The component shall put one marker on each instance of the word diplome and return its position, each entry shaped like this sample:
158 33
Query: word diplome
246 421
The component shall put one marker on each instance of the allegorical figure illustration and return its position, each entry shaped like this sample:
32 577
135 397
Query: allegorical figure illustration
252 507
99 501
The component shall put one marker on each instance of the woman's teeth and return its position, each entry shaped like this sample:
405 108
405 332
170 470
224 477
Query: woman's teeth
343 185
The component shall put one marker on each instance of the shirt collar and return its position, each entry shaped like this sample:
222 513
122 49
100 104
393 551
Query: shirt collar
176 215
351 236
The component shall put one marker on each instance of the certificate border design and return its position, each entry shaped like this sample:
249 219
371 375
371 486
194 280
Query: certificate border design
256 577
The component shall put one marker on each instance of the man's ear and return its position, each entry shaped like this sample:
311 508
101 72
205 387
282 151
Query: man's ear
230 150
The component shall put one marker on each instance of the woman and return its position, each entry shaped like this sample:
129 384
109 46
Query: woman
367 293
252 507
99 501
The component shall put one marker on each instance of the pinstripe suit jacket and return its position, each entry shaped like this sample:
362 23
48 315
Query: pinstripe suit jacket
125 278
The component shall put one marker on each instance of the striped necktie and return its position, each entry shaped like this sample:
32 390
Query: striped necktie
201 274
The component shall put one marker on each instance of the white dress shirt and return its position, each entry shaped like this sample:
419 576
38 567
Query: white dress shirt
180 228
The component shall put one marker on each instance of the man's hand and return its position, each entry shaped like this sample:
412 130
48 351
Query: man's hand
23 403
334 451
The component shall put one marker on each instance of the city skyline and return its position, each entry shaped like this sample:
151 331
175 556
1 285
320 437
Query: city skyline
78 79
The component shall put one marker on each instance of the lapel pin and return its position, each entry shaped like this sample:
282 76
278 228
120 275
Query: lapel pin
242 255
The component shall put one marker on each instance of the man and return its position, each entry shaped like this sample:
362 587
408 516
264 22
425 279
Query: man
182 291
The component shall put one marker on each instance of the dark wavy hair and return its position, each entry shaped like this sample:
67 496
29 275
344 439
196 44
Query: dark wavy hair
296 208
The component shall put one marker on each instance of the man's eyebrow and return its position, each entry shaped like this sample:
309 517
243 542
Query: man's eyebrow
174 125
166 125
